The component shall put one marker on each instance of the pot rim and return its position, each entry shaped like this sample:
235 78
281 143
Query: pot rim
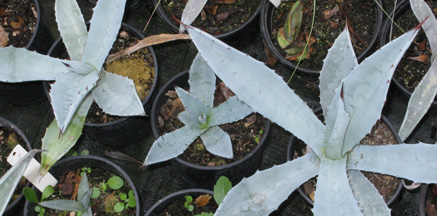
136 33
265 25
402 7
117 170
176 195
153 119
37 24
175 28
385 120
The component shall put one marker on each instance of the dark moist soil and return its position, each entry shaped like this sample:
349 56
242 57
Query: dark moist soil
431 200
411 71
138 66
17 22
362 16
8 141
176 208
245 134
102 205
385 184
216 18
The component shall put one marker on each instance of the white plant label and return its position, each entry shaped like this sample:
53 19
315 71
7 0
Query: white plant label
276 3
32 171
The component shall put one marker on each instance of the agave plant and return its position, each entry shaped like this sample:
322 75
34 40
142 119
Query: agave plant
200 118
426 91
77 81
352 98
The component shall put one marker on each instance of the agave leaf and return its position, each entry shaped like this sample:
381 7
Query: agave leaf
83 188
422 11
10 179
416 162
242 74
257 195
366 88
21 65
86 199
63 205
337 65
229 111
103 31
191 11
88 212
371 202
172 144
72 27
196 109
67 93
420 101
184 117
57 145
217 142
336 124
202 80
117 95
276 3
334 194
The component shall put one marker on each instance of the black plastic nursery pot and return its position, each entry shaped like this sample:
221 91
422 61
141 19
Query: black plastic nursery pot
162 204
267 17
170 20
77 162
206 176
30 92
427 200
293 146
14 207
403 9
126 130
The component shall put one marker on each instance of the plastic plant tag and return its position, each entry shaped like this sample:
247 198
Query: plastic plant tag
276 3
32 172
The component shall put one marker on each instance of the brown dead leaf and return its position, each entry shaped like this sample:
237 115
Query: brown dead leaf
171 94
213 10
18 24
148 41
250 120
224 1
422 46
177 108
271 59
219 17
329 13
203 200
226 91
421 58
333 24
4 39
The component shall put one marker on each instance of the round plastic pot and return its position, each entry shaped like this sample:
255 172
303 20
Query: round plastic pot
74 163
266 19
401 8
422 199
204 176
174 27
13 207
131 5
162 204
30 92
123 131
294 140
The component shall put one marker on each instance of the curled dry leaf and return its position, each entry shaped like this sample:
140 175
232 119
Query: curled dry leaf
4 39
420 58
225 90
225 14
271 60
148 41
18 24
422 45
224 1
203 200
329 13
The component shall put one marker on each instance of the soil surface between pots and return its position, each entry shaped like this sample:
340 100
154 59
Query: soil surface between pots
201 203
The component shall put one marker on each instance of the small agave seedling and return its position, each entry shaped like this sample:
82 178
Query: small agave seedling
77 81
82 204
352 98
200 118
288 36
426 91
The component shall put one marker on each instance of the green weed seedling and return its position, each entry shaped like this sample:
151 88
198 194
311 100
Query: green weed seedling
30 195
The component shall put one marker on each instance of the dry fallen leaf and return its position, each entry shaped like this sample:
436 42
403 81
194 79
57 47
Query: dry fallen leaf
224 1
329 13
421 58
422 46
18 24
177 108
148 41
271 60
203 200
226 91
4 39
